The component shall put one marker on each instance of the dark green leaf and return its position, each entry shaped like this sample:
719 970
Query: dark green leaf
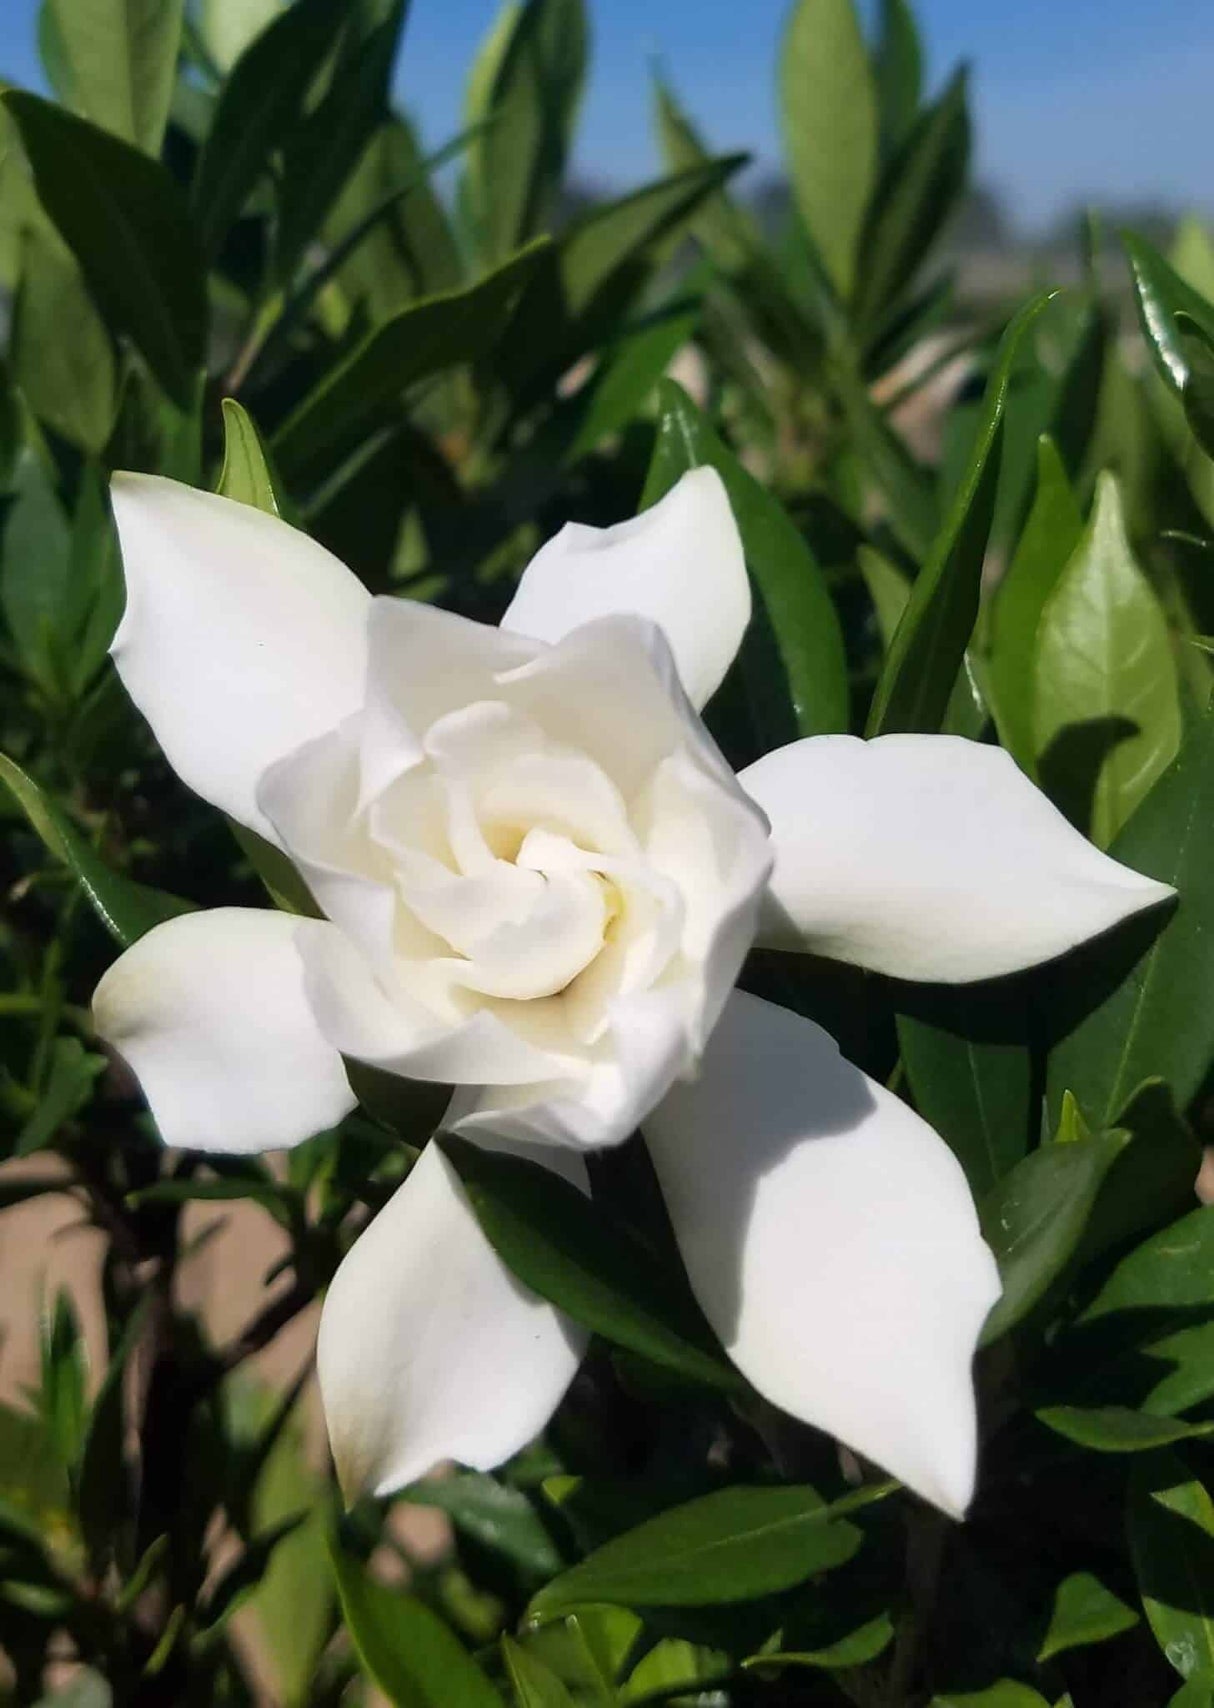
629 373
121 215
915 685
260 104
516 166
1006 1694
733 1545
898 63
104 1493
1198 348
35 559
62 356
1171 1519
1158 1021
1105 696
496 1516
405 1648
424 339
1084 1612
1050 536
119 60
918 192
573 1252
828 109
1118 1429
1160 294
125 908
1034 1219
788 577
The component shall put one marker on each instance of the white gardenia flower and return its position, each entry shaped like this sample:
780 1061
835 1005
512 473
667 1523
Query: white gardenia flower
539 882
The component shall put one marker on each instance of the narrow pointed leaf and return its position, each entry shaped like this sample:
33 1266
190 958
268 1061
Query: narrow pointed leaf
1160 294
245 475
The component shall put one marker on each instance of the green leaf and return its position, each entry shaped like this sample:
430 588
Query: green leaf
121 215
404 1647
516 166
970 1070
889 589
125 908
62 356
104 1496
733 1545
570 1250
493 1514
856 1649
64 1369
1084 1612
424 339
1158 1021
69 1085
1118 1429
1199 383
35 561
1197 1693
1006 1694
788 577
1034 1220
243 1576
1160 294
917 680
535 1685
905 488
1106 701
245 475
898 63
919 190
260 103
1171 1522
628 374
828 108
120 59
1051 534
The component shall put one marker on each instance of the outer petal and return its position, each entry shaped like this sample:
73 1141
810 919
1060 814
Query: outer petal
242 638
830 1238
209 1010
429 1349
679 563
928 857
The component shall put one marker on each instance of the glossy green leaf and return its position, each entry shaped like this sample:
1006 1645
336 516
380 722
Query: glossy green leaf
120 59
125 908
828 109
1173 1271
408 1651
917 680
123 218
572 1251
1160 294
260 103
1106 701
1118 1429
426 338
1051 534
515 168
733 1545
1171 1523
535 1684
918 191
1034 1220
1157 1019
62 356
1084 1612
786 574
491 1513
1198 396
857 1649
245 475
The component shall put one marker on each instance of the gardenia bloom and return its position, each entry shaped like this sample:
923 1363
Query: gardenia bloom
539 880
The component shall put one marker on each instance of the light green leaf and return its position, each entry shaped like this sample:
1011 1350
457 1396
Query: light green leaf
516 166
569 1250
1034 1220
917 681
125 908
1171 1519
61 353
1006 1694
788 577
229 26
408 1651
733 1545
1106 702
245 475
1084 1612
120 60
1158 1021
828 108
535 1684
1051 534
121 215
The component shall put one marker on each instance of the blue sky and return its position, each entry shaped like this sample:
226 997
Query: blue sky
1075 99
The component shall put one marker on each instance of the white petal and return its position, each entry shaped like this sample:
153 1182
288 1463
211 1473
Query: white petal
429 1349
241 639
209 1010
679 563
928 857
831 1241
